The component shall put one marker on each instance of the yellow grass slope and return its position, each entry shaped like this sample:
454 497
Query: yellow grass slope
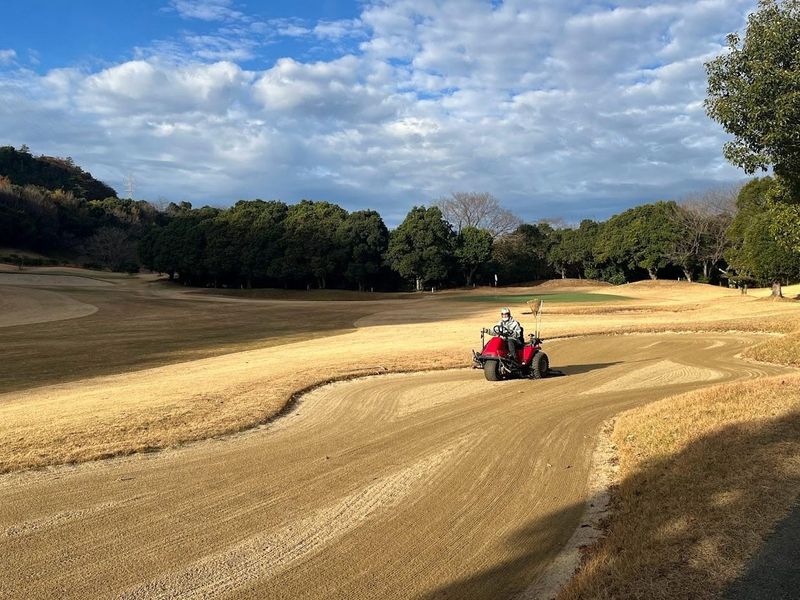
164 406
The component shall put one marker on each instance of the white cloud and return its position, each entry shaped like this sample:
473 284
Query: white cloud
572 108
141 88
336 30
206 10
7 56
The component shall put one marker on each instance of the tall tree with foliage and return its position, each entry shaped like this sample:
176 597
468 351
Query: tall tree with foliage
260 239
421 248
367 239
473 251
754 92
522 256
640 237
315 249
755 252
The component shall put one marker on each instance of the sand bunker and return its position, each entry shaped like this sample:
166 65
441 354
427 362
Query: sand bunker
265 554
21 306
665 372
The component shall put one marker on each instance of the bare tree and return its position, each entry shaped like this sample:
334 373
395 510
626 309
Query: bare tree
111 247
720 204
703 221
691 225
477 209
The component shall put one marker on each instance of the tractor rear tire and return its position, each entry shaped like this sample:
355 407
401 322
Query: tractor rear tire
491 369
540 365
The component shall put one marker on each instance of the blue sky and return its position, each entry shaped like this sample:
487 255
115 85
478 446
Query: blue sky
568 109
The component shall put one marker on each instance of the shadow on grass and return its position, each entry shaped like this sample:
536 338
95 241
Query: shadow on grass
685 525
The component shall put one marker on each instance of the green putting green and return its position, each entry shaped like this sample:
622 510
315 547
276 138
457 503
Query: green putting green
562 297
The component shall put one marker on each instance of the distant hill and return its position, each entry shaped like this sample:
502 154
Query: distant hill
20 167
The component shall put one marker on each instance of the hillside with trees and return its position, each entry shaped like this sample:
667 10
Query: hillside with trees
21 168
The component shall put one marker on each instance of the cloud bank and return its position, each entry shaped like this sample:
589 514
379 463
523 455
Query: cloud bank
572 109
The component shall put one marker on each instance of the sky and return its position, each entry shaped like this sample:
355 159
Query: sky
571 109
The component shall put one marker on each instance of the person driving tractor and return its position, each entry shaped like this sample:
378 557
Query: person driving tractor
511 330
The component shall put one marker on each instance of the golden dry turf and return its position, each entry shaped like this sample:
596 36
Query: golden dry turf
123 365
704 478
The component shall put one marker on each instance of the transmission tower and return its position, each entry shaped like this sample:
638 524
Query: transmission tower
129 185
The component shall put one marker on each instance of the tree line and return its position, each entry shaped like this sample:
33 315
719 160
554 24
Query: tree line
720 236
463 239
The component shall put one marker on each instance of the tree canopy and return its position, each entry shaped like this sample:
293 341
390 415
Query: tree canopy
421 247
754 92
640 237
755 253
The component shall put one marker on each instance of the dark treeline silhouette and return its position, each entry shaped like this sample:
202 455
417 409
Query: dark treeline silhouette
721 235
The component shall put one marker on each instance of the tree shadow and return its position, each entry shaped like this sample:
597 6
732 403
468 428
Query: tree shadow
687 522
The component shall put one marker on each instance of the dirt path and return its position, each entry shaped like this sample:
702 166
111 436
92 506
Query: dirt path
401 486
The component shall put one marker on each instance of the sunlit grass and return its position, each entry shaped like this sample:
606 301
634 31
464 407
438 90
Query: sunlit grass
555 297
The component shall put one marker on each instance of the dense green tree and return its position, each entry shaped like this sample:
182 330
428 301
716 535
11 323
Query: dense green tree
753 91
180 248
315 249
259 245
586 238
756 253
473 251
640 237
565 254
421 248
366 239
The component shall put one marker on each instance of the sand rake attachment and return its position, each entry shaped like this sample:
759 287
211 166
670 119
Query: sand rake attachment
536 310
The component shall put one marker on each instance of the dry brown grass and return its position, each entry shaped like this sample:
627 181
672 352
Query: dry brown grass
783 350
155 368
704 477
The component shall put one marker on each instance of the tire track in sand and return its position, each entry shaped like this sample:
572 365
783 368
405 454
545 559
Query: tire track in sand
60 518
263 555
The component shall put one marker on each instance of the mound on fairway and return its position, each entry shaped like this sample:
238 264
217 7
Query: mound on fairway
21 306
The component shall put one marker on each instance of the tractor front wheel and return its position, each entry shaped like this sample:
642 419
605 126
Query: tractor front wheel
540 365
491 369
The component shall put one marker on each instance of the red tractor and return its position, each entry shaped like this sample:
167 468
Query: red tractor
497 363
529 360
